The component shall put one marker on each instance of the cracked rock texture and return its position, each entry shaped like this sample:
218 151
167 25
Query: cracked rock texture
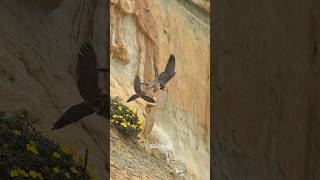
143 34
267 106
39 44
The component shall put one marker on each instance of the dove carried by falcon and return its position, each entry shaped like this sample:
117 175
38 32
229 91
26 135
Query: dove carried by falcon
87 83
153 83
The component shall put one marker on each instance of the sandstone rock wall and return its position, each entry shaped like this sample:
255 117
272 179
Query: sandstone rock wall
143 34
39 43
267 90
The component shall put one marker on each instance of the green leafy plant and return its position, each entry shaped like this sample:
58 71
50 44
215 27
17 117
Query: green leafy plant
26 153
125 119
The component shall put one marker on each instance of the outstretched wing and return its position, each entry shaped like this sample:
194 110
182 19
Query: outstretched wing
87 72
137 86
73 114
170 65
133 97
149 99
164 77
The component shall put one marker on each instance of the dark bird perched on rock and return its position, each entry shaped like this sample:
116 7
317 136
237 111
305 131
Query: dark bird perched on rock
87 82
139 92
164 77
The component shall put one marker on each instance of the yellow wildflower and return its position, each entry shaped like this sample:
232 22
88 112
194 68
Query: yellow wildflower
56 170
93 177
23 172
35 175
73 150
31 146
67 175
90 169
81 161
66 150
56 155
123 124
91 173
112 120
120 108
76 159
14 173
139 120
74 170
16 132
30 129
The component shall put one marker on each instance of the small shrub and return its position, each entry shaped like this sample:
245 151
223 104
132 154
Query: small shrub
26 153
125 119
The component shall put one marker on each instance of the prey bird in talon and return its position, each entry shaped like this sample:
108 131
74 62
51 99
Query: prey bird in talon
168 73
139 92
87 83
153 83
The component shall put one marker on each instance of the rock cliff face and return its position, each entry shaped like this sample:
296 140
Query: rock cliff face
39 43
267 100
143 34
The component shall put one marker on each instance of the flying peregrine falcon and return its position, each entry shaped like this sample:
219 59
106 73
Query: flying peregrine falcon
87 82
164 77
139 92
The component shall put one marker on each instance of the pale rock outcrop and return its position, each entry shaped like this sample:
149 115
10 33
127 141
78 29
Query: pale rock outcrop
143 34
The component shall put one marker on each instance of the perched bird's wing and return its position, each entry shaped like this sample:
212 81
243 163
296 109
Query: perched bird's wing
87 72
170 65
133 97
149 99
73 114
137 86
